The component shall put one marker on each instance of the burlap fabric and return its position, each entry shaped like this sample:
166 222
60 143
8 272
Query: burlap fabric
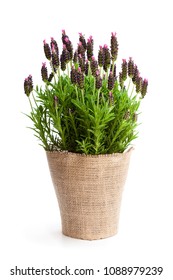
89 190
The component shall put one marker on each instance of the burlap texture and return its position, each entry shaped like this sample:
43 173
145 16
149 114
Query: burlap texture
89 190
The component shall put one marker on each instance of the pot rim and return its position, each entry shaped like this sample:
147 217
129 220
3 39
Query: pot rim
65 152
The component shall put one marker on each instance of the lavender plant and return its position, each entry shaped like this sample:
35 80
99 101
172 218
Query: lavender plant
84 105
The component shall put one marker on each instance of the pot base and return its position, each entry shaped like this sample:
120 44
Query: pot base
89 191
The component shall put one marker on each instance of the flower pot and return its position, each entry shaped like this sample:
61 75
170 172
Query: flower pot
89 191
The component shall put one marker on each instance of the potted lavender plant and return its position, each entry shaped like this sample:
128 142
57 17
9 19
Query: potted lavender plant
85 117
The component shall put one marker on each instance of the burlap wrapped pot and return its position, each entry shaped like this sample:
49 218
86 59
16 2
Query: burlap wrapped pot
89 190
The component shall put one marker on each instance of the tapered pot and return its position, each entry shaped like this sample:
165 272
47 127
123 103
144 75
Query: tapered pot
89 191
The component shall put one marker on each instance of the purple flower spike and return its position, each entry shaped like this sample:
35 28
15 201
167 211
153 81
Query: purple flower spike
124 69
55 56
80 78
47 50
44 72
131 67
144 87
73 75
100 56
65 54
94 66
54 46
89 48
81 50
83 41
111 81
106 57
75 56
136 74
81 62
28 85
138 84
114 46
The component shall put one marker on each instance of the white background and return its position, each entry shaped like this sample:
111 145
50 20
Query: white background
30 226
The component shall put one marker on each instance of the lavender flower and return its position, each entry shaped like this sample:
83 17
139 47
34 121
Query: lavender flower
73 75
81 62
114 46
55 57
138 84
28 85
64 36
107 57
80 78
94 66
47 50
69 47
101 57
121 82
111 81
98 80
136 74
44 72
50 77
54 46
75 57
124 69
65 54
81 50
144 87
63 64
90 48
131 67
82 40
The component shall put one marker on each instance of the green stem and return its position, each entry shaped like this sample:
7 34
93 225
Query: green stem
101 72
68 70
76 92
113 62
132 91
98 96
94 86
83 96
106 74
59 78
129 85
51 65
31 104
89 68
70 63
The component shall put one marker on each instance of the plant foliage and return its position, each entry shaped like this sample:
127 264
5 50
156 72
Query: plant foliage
84 107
